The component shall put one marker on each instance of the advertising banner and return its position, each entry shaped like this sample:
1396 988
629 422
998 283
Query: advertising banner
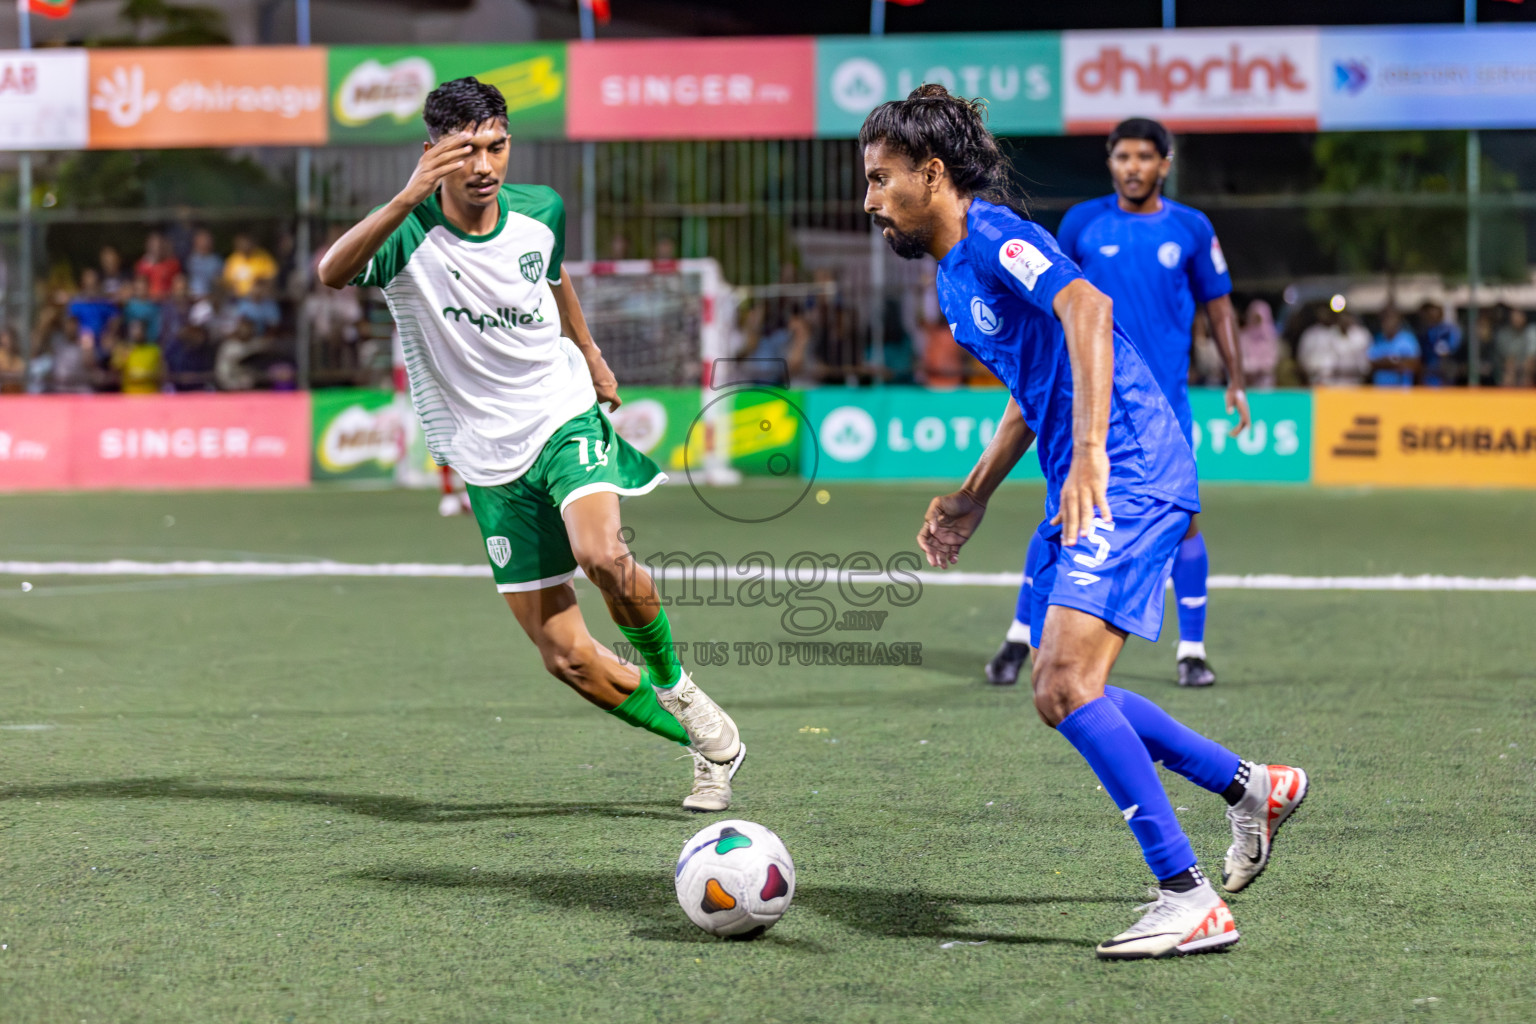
656 421
903 433
42 100
358 434
1017 73
692 88
1196 80
1276 448
34 443
377 92
1429 77
1425 437
190 96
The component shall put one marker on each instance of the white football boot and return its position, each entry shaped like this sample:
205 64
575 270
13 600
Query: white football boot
712 781
1274 793
1175 924
710 730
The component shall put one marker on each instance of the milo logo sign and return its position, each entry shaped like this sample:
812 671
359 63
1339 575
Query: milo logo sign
358 434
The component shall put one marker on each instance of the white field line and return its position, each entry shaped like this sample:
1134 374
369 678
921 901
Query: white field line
707 573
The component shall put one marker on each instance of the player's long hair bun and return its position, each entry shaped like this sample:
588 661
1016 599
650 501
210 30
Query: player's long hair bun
932 122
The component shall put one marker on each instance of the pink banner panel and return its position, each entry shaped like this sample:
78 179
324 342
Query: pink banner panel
692 88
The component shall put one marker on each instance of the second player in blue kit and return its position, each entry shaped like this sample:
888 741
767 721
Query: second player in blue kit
1120 491
1158 261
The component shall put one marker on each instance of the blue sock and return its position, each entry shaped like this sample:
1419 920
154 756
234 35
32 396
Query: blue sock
1106 740
1202 761
1190 567
1019 630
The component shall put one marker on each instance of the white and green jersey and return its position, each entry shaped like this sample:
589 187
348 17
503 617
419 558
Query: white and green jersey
492 376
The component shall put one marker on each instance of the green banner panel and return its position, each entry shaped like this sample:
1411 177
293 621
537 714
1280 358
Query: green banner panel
358 434
377 92
915 434
1017 73
1276 449
656 421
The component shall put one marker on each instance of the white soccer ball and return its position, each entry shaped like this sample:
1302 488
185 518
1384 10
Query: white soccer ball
735 878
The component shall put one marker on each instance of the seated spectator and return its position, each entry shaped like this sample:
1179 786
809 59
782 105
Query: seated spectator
1440 346
62 357
1205 366
1514 346
205 268
157 266
785 340
189 359
141 308
246 266
1394 354
260 306
13 367
1487 354
94 310
113 281
140 366
231 368
1259 343
1332 352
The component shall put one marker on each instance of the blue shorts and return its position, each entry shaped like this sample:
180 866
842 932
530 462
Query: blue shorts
1118 574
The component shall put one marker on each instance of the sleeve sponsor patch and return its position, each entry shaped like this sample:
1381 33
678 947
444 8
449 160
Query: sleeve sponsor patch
1023 261
1218 259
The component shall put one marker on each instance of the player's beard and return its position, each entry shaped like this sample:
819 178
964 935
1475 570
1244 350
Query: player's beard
909 245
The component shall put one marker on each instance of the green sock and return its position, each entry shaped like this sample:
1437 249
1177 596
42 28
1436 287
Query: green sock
642 710
654 642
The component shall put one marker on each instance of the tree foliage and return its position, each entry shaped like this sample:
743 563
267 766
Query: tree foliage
163 23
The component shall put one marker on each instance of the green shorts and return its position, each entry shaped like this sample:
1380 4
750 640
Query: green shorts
525 536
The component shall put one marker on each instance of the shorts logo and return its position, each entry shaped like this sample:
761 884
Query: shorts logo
987 322
532 266
500 550
1168 254
1023 261
1109 250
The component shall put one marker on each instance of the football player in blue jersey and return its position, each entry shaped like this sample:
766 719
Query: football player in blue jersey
1120 491
1156 259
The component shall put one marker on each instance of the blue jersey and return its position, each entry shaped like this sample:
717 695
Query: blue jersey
996 288
1155 266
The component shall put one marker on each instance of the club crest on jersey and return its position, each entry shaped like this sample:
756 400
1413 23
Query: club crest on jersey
1023 261
1168 254
987 322
532 266
500 550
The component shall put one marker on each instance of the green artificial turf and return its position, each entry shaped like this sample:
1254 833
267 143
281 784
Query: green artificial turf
362 800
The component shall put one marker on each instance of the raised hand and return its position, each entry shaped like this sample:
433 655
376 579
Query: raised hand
436 163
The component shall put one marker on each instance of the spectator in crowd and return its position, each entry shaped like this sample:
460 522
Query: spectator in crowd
189 359
232 367
1440 346
260 306
1395 352
62 353
94 310
1205 367
205 268
666 249
1260 345
778 331
1332 352
1514 344
113 281
141 308
13 367
139 364
157 266
246 266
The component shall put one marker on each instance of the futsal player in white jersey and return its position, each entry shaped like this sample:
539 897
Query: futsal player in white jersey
507 381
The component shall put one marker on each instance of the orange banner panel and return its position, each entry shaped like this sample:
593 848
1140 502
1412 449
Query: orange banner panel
232 96
1424 437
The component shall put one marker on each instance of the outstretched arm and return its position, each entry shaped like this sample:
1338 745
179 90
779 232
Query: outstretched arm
1224 327
951 519
352 251
1086 314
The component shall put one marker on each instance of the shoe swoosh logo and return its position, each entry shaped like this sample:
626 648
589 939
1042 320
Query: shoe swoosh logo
1135 938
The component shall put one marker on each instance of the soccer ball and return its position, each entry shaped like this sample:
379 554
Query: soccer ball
735 878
